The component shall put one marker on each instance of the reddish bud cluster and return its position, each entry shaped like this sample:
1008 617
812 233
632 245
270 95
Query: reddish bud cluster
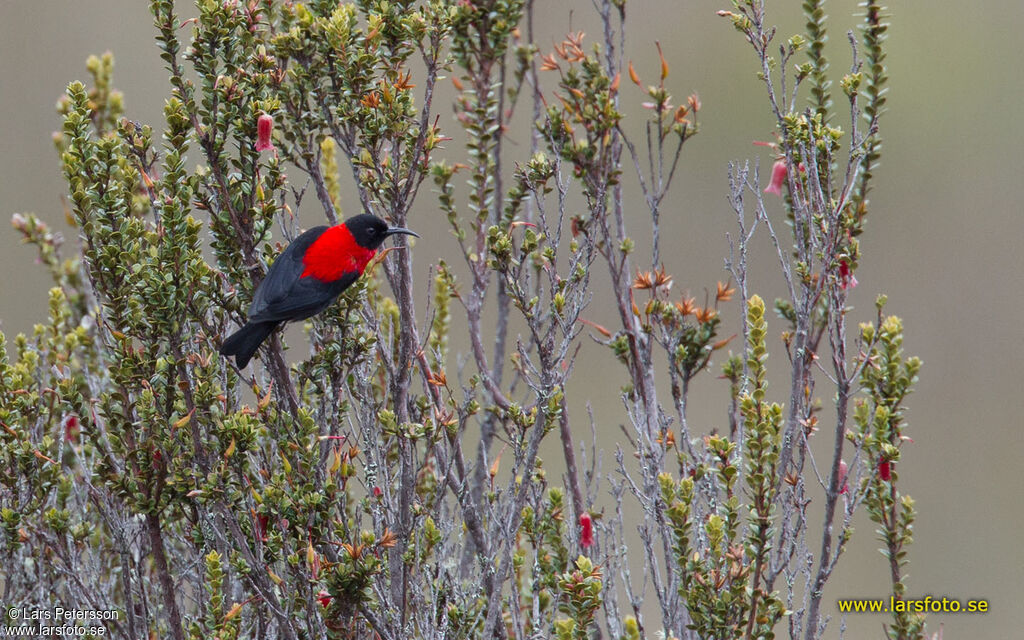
846 277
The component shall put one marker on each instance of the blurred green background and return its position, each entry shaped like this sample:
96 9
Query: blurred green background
942 239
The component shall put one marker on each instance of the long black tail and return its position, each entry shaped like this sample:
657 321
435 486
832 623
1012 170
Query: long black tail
243 343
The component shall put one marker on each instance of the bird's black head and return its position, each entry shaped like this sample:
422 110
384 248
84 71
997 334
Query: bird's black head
370 231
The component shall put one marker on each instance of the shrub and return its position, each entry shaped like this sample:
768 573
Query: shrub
380 486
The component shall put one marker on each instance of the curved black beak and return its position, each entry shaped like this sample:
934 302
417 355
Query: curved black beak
394 230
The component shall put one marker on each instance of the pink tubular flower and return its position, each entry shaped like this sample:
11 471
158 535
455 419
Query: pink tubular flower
846 277
71 427
885 470
264 129
778 178
586 530
324 598
843 471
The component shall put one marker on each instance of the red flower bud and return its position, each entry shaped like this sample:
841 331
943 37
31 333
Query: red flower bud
324 599
262 521
586 530
885 470
846 277
264 129
843 471
778 178
71 427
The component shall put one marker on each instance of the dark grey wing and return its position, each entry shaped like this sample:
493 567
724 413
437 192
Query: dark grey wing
306 297
282 277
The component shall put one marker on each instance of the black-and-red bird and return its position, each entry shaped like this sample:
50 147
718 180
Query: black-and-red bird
306 278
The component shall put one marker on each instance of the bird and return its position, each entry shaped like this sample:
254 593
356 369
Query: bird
306 278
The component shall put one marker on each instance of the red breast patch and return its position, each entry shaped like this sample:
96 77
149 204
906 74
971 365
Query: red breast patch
334 254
